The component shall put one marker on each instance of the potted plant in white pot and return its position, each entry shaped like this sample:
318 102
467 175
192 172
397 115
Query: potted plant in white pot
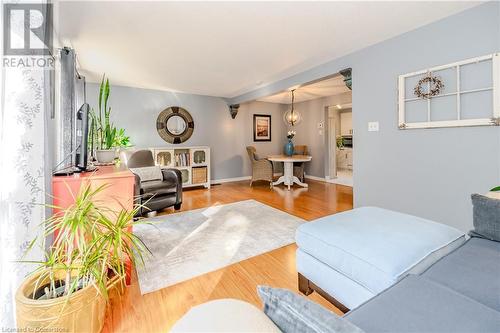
92 245
105 138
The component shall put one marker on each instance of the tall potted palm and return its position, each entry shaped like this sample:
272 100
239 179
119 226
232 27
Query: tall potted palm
92 245
104 137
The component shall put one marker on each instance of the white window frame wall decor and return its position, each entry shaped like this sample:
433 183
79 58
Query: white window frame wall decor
494 120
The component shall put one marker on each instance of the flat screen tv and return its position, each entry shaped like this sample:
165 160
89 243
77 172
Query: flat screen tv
71 119
82 133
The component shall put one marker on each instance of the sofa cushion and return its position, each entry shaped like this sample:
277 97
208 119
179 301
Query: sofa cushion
148 173
157 188
486 213
376 247
416 304
294 313
473 270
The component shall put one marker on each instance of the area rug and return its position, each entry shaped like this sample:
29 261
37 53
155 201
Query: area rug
192 243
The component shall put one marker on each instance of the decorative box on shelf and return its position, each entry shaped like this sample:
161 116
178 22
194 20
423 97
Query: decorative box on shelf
192 162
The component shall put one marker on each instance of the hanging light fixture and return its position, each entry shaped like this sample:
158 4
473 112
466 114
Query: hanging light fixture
292 117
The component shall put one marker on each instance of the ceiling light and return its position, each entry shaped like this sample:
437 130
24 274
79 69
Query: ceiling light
292 117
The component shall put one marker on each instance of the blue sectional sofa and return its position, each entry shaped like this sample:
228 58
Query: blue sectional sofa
459 293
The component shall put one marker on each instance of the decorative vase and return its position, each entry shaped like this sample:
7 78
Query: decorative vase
289 148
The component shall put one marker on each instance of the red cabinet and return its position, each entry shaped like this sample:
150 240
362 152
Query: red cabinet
118 194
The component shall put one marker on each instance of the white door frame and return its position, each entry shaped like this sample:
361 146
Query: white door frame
331 145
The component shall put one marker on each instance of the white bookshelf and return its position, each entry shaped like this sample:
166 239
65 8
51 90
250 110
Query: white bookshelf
192 162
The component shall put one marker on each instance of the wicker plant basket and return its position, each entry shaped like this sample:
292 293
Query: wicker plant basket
83 312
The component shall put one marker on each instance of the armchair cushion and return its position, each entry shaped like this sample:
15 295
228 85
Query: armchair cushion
148 173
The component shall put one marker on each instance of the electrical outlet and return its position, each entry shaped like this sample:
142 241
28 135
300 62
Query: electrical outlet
373 126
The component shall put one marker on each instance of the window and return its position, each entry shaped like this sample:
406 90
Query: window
470 96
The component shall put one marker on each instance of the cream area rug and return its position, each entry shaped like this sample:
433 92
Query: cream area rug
192 243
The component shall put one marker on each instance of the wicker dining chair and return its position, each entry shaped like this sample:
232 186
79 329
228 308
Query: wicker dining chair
262 169
298 167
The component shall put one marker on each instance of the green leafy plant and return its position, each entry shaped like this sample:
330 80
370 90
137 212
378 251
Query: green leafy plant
91 244
103 134
495 189
121 140
340 142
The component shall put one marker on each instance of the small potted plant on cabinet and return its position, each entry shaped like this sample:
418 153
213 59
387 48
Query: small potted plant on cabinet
104 137
91 247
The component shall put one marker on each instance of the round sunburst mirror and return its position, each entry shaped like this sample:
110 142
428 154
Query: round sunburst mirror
175 125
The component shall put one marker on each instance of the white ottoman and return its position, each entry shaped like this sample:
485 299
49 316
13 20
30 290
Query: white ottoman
225 315
355 255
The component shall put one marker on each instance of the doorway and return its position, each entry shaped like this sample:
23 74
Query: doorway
340 144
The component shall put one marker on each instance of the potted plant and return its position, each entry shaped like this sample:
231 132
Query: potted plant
91 247
340 142
104 137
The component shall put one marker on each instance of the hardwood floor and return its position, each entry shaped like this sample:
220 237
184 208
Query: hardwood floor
158 311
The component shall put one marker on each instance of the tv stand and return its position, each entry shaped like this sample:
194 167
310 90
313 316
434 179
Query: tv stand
117 194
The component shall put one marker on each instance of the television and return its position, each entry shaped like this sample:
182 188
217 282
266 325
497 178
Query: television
82 133
71 121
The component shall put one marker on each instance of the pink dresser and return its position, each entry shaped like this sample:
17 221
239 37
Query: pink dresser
119 192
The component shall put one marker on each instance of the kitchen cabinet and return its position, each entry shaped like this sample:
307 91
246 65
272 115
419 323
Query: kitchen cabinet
346 123
344 158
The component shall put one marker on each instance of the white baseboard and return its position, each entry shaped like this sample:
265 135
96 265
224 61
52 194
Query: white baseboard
238 179
320 179
228 180
338 181
315 178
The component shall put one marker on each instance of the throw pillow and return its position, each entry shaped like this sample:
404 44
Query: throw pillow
294 313
148 173
486 217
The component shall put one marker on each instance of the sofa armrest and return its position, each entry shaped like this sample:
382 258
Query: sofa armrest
175 177
137 185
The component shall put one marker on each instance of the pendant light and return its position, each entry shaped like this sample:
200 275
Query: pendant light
292 117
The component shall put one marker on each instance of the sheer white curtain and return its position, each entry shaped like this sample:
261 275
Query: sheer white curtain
22 177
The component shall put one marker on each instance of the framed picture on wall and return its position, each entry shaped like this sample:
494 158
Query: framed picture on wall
261 127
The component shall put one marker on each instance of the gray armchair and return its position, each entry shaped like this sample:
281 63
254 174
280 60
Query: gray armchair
156 194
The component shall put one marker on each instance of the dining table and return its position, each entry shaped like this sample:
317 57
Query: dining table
288 179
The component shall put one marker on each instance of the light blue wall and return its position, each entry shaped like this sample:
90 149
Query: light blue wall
136 110
429 173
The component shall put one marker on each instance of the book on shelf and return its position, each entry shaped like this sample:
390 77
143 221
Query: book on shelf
182 159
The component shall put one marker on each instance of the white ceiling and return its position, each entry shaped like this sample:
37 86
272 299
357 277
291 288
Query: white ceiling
227 48
328 87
